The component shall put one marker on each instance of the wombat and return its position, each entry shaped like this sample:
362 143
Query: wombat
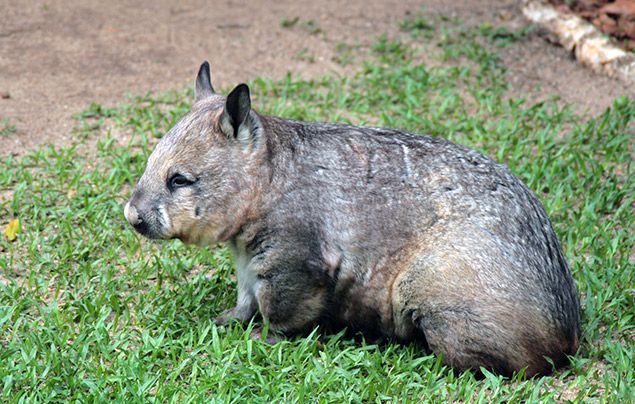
393 235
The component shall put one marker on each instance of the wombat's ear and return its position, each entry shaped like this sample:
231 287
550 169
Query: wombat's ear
236 120
203 88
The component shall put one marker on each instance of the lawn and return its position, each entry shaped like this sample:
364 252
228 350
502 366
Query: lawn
90 311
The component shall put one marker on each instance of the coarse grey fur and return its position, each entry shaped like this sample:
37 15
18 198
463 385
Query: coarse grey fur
395 235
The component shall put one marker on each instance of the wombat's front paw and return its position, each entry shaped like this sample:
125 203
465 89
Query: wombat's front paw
234 314
271 338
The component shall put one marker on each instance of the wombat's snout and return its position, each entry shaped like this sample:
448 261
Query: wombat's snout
132 215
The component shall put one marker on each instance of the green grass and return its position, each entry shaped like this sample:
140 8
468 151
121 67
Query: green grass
305 55
7 128
89 311
310 26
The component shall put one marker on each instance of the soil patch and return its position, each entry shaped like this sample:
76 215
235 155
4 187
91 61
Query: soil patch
58 57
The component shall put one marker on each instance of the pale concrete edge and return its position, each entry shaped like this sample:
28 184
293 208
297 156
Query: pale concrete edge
590 46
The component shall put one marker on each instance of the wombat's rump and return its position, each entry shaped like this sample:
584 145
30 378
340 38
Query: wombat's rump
392 234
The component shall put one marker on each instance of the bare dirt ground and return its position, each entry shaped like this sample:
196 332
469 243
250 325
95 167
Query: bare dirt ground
57 57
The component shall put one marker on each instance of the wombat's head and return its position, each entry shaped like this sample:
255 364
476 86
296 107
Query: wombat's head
199 181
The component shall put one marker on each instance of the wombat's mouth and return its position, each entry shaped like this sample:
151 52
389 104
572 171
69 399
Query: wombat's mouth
152 235
149 231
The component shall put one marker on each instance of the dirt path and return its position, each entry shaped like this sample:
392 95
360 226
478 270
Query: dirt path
57 57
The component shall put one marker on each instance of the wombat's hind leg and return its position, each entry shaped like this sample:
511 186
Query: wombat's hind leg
464 342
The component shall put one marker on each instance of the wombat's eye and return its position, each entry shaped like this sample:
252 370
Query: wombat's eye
179 181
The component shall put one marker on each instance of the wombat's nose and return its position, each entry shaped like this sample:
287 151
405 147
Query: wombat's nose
134 219
131 214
